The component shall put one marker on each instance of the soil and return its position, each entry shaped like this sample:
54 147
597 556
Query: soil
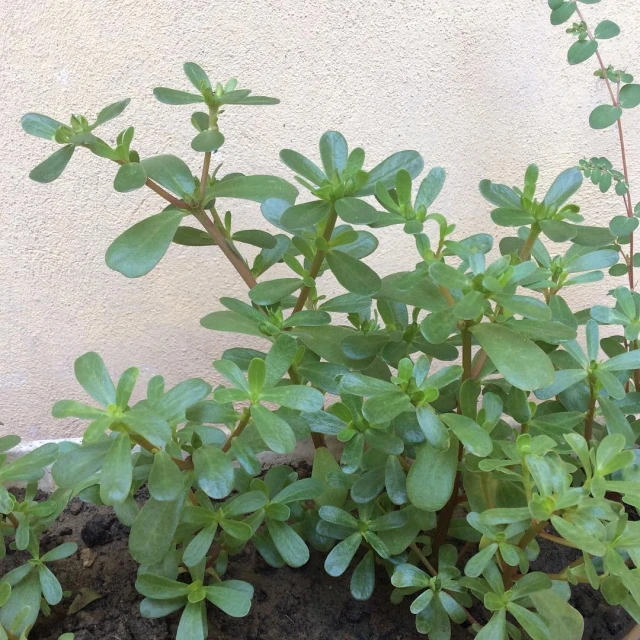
289 604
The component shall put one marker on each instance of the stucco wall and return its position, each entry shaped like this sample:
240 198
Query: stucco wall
480 88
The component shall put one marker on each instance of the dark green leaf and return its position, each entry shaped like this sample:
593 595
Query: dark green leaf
630 96
581 50
352 274
41 126
170 172
604 116
207 141
256 188
173 96
606 29
52 168
272 291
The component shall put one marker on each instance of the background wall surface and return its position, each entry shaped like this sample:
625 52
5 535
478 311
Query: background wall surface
480 88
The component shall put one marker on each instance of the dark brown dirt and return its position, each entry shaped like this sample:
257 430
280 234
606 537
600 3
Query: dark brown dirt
289 604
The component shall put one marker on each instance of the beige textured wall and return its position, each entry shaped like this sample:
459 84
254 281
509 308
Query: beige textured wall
481 88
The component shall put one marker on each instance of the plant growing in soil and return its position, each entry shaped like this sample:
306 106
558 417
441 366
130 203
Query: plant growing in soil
31 587
477 412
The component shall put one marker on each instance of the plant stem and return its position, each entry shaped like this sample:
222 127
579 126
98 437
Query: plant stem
615 100
238 263
510 572
182 463
557 540
242 423
588 424
318 259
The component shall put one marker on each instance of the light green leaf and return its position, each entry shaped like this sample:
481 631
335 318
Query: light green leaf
117 473
207 141
165 479
276 433
110 112
337 562
51 588
193 622
302 166
288 543
153 530
559 614
563 187
436 470
356 211
430 188
197 76
470 433
522 363
296 397
307 214
233 602
92 374
214 471
386 171
334 152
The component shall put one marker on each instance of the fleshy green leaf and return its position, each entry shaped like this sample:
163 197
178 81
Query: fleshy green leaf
355 276
116 475
214 471
170 172
434 469
130 176
522 363
139 249
272 291
255 188
92 374
174 96
40 126
276 433
386 171
52 168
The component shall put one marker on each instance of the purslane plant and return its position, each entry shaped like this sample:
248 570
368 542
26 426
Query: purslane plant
473 423
31 587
